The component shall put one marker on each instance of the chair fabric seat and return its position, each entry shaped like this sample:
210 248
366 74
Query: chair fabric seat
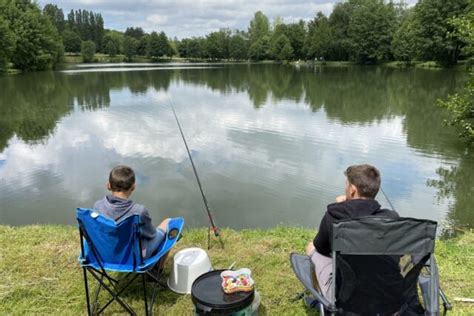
118 243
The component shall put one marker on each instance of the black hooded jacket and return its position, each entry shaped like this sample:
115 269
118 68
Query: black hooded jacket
346 210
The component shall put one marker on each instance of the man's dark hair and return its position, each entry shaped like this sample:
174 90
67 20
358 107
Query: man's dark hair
121 179
365 178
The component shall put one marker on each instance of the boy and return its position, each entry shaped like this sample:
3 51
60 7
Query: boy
118 206
362 185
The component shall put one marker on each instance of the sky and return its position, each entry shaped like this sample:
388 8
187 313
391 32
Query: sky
188 18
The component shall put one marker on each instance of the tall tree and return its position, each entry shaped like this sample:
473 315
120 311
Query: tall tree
260 49
319 39
88 25
56 16
158 45
404 41
130 45
7 43
38 44
238 47
339 22
134 32
371 30
431 22
259 27
72 41
281 48
217 44
142 47
296 33
112 43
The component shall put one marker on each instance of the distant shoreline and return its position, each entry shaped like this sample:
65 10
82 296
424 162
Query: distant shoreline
70 60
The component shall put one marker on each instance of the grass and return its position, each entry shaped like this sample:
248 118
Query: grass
39 273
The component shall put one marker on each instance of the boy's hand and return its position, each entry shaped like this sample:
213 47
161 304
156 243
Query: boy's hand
341 198
164 224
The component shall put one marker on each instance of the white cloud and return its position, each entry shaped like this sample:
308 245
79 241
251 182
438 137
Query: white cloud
156 19
193 18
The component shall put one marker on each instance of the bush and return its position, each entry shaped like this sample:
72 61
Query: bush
88 51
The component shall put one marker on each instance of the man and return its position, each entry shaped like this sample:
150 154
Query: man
362 185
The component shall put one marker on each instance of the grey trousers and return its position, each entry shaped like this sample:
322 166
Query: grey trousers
323 266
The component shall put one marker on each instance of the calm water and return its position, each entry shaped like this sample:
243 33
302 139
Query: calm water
270 142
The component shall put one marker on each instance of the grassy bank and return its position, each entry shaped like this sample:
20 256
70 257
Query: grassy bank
39 273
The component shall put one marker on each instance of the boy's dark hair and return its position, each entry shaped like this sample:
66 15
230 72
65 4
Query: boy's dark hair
121 179
365 178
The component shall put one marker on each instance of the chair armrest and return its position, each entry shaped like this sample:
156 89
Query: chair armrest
176 223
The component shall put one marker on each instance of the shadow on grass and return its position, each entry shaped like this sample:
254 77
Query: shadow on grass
133 295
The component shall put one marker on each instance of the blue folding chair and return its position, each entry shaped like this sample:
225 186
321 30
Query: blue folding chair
111 246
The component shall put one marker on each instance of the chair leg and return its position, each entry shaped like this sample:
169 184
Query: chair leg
144 294
95 305
87 291
115 295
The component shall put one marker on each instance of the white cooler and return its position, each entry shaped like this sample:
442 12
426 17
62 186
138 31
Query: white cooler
188 265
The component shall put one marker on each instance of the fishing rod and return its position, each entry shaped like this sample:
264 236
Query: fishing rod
386 197
212 226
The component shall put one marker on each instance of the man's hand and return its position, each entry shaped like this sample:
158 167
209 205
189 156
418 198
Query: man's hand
341 198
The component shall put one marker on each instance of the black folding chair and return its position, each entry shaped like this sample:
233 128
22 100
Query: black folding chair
378 263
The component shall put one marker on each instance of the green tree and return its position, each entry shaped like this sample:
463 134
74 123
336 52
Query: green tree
296 33
371 30
56 16
431 22
38 44
111 49
217 44
143 45
281 48
318 42
260 49
196 48
158 45
405 40
7 44
461 105
112 43
88 51
339 21
72 41
88 25
259 27
238 47
134 32
130 45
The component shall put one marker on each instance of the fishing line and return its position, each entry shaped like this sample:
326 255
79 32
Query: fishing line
386 197
213 226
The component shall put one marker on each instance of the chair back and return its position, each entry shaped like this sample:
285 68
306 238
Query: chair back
109 245
377 262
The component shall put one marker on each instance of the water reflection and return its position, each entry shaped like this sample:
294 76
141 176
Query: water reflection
61 132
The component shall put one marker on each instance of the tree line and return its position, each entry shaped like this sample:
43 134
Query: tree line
363 31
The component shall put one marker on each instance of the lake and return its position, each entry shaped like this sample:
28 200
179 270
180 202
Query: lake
270 142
